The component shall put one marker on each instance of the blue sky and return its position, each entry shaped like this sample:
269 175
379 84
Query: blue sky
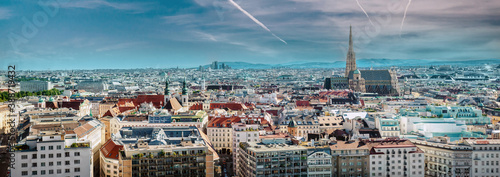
86 34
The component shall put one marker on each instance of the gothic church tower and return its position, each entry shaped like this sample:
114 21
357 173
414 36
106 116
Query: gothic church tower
351 57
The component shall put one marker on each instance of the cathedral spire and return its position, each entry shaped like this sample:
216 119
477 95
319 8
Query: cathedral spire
351 56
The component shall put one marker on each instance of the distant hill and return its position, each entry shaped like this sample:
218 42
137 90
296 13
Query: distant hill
363 63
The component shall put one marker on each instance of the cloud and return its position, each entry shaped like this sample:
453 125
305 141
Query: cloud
207 36
94 4
118 46
5 13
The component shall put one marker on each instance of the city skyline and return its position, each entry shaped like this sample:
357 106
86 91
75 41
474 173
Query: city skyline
98 34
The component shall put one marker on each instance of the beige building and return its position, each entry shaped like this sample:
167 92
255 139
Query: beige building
4 118
445 159
350 158
155 151
94 133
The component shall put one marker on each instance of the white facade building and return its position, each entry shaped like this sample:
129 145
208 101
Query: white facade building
53 154
35 86
393 159
485 157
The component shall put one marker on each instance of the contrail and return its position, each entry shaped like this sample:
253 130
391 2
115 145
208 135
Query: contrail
255 20
404 17
364 12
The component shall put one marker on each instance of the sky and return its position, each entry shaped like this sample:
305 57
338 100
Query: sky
100 34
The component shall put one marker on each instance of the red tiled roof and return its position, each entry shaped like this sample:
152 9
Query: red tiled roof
123 109
111 150
223 121
197 106
157 100
74 104
232 106
302 103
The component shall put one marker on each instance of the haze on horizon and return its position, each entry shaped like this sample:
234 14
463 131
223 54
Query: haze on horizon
88 34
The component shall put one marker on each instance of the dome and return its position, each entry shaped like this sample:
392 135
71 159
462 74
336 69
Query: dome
356 71
292 123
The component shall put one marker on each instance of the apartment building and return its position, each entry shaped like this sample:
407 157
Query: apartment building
53 153
388 126
196 119
395 157
444 158
94 132
485 157
350 158
155 151
258 159
319 158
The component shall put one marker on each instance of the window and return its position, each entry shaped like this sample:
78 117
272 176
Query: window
33 156
33 165
42 156
77 153
66 170
51 163
67 162
58 171
24 165
58 163
34 173
51 172
51 155
77 169
42 148
51 147
42 172
66 154
42 164
58 155
58 146
24 173
77 161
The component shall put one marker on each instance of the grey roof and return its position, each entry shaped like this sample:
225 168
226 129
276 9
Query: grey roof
157 135
373 74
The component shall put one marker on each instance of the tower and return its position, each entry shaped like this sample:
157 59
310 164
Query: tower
351 57
292 127
167 91
184 96
203 83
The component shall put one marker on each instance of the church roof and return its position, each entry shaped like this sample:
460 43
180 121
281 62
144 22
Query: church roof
292 123
373 74
173 103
